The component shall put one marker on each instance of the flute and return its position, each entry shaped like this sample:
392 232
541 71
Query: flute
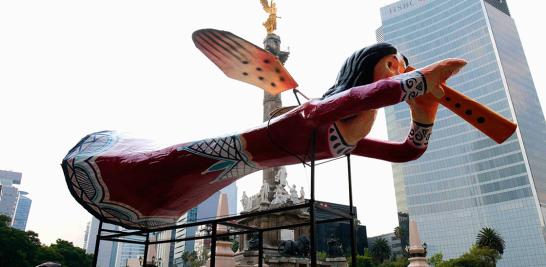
480 116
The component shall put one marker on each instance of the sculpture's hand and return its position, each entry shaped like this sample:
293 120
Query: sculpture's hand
423 108
437 74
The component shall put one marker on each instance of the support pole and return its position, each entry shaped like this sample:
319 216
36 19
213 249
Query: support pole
353 226
260 248
312 223
145 260
213 246
97 244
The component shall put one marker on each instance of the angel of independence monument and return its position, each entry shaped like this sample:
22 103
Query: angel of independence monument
273 193
272 218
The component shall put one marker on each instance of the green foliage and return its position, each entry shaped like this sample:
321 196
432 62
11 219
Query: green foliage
398 232
24 249
234 245
476 257
368 261
401 262
321 255
436 259
362 261
488 237
380 250
5 220
72 256
192 259
15 248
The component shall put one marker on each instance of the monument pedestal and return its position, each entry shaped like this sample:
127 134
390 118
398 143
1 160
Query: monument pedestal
418 262
224 255
418 253
337 262
271 239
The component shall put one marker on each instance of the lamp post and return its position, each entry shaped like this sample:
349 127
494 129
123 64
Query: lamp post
159 261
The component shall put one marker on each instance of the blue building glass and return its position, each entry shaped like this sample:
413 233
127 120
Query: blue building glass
22 211
465 181
206 210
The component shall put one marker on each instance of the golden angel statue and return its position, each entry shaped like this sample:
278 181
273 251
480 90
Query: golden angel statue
271 23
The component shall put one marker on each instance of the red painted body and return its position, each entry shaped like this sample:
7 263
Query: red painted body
127 182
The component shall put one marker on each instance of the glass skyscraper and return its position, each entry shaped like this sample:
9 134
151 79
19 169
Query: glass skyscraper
21 211
206 210
465 181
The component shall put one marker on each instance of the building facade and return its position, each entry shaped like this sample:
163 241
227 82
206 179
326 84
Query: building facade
465 181
338 230
206 210
108 250
9 194
395 244
21 211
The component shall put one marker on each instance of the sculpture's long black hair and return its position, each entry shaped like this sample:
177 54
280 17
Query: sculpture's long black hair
358 68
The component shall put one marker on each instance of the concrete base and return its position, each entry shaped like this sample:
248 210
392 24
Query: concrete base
418 262
224 255
337 262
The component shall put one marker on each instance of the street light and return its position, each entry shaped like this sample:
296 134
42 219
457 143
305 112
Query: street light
140 259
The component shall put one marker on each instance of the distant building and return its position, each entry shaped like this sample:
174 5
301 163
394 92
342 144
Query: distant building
14 203
86 234
117 254
465 181
394 243
21 211
339 230
9 194
127 251
165 251
205 210
107 250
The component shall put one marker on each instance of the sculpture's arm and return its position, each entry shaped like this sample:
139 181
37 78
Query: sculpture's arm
412 148
376 95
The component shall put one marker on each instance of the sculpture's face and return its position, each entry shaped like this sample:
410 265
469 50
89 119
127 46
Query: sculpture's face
389 66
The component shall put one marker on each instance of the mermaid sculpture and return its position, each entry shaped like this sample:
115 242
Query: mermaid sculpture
110 174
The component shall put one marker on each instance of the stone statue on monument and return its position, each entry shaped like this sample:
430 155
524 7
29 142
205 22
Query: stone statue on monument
281 196
280 177
264 193
245 201
294 195
302 194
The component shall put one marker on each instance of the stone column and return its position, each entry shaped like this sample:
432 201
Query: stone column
418 254
272 43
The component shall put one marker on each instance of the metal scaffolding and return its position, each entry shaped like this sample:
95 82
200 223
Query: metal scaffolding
231 221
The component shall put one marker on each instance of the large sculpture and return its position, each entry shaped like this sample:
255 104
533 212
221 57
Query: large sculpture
110 174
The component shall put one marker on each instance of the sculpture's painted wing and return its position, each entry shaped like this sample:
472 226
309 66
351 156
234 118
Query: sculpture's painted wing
244 61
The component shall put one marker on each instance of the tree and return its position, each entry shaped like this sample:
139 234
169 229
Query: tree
15 247
5 220
476 257
24 249
398 232
33 238
436 259
235 245
361 261
488 237
71 255
380 250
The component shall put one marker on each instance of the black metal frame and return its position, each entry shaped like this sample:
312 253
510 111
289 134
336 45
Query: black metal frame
118 236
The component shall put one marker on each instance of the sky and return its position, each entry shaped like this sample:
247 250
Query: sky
69 68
